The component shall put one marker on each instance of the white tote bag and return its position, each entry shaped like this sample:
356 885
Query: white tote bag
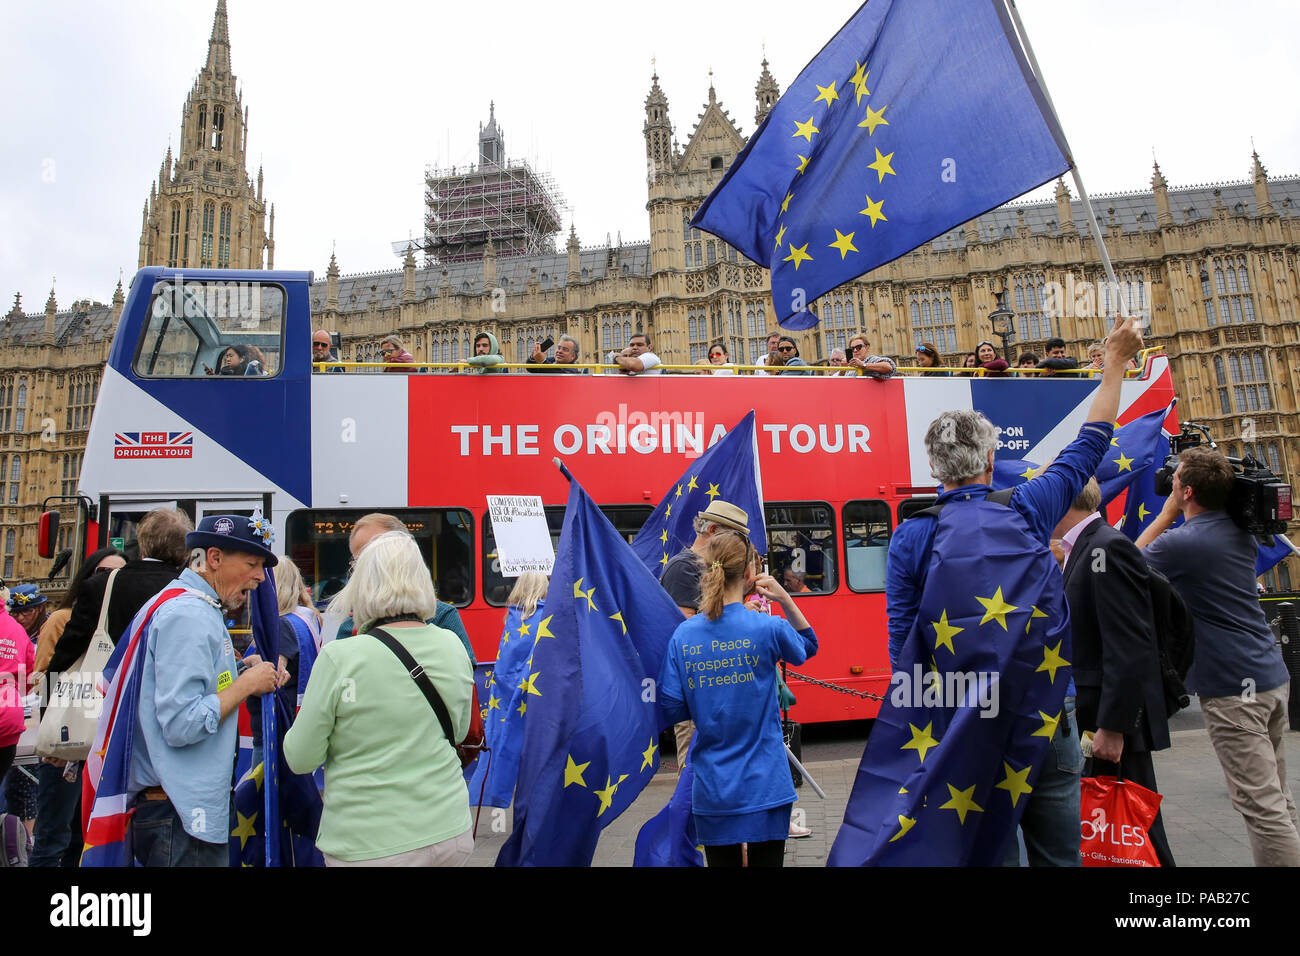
68 727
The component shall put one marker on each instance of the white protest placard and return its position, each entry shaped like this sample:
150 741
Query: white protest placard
522 535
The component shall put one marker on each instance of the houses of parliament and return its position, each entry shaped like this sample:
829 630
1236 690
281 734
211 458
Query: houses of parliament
1214 267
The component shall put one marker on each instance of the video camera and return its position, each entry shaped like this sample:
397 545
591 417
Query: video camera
1260 501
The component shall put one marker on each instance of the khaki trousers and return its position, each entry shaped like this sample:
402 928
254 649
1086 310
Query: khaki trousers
683 733
1247 735
453 852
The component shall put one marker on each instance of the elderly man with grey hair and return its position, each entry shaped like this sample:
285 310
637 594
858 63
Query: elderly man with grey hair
566 353
961 445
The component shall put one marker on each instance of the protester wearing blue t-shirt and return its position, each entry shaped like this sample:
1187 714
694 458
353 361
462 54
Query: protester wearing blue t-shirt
720 671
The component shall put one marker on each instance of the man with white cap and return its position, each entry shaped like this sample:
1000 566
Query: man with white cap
191 686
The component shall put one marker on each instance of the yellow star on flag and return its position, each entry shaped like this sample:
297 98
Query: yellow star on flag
245 829
797 254
1030 472
904 824
944 632
1033 614
780 237
578 592
921 740
881 166
962 801
648 755
542 629
692 485
524 629
664 536
1016 782
618 616
827 93
1115 442
874 118
843 243
678 493
785 203
607 795
859 81
875 210
805 130
1143 511
1125 463
713 492
528 687
995 608
1052 660
1048 729
494 702
802 166
669 512
523 707
664 559
573 772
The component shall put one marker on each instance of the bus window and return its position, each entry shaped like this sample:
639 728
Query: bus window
212 328
866 544
911 506
317 541
801 547
627 519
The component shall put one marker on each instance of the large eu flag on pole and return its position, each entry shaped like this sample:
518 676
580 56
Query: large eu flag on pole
729 470
919 115
591 734
1137 448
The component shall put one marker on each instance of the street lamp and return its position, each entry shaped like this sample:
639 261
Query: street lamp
1003 321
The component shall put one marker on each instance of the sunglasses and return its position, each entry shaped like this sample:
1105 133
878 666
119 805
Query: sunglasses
786 348
857 348
387 351
716 354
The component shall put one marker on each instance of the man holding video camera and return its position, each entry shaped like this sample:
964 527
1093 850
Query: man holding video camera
1238 670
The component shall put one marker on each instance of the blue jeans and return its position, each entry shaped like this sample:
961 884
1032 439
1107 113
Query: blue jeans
56 804
1051 819
160 839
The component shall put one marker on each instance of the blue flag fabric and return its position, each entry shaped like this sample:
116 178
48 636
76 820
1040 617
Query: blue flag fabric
591 735
1271 555
1009 472
729 470
504 710
978 693
1143 504
668 838
919 115
1136 448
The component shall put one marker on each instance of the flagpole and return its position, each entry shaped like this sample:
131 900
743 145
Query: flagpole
1093 226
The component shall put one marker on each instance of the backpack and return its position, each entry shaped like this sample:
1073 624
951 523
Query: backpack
15 844
1175 640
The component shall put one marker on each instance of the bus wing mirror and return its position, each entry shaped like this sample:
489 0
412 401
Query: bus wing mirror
47 534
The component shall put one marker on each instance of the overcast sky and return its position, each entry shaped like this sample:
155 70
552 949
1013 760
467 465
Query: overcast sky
349 102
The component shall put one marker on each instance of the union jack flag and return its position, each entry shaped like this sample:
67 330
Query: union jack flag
153 444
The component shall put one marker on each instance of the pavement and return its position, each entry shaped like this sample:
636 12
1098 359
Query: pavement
1202 827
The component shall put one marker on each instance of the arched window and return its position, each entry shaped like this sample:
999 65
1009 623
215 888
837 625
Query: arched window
209 223
174 241
218 126
223 250
201 139
20 410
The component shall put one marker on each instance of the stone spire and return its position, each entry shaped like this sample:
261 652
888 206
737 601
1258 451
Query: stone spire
575 256
658 132
491 140
489 266
1064 209
332 284
767 93
17 311
1160 190
1260 175
119 299
408 273
51 307
219 42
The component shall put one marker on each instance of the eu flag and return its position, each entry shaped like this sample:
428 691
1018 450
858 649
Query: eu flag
1273 554
668 838
1009 472
976 698
591 732
1143 504
729 470
504 706
1137 448
919 115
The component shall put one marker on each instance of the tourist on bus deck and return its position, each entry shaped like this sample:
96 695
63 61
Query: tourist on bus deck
871 366
681 577
322 349
191 686
566 353
394 792
1027 360
392 352
720 671
720 359
993 365
1056 349
487 355
961 446
637 358
791 363
242 360
839 360
771 357
927 357
969 361
372 525
29 608
1096 355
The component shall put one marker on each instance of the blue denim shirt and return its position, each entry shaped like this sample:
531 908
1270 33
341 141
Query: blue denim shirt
181 742
1042 502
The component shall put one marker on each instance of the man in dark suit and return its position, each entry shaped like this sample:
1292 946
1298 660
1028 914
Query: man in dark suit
1116 657
161 539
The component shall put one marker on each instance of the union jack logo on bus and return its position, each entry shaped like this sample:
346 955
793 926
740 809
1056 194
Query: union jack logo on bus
153 444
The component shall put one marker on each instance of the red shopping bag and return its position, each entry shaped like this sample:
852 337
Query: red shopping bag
1115 817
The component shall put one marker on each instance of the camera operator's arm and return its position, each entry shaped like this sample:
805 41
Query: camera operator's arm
1168 515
